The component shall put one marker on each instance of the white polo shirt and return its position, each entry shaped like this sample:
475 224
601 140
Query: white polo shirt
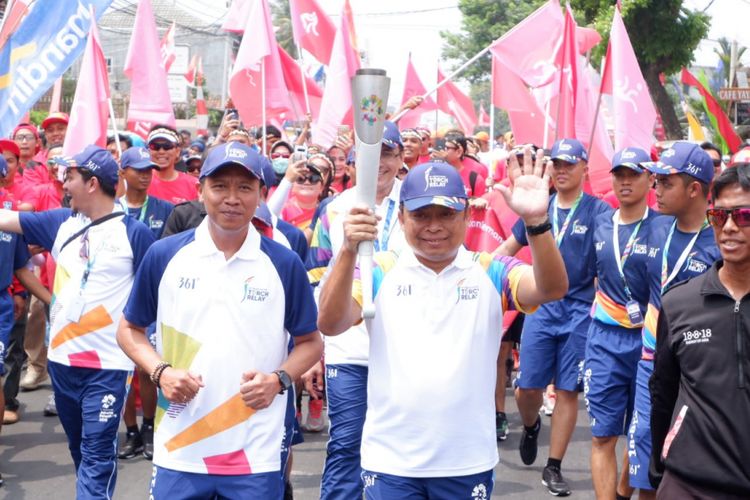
434 343
220 318
352 346
84 314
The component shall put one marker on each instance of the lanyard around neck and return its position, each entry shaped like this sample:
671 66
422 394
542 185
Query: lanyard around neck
560 232
666 280
620 259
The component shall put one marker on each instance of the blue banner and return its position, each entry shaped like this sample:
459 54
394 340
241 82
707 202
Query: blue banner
45 45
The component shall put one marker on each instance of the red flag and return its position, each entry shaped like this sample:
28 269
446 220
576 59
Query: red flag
201 112
600 149
722 120
312 28
149 93
568 81
257 55
484 119
634 112
413 86
293 78
587 38
452 101
88 116
167 48
336 107
511 94
190 73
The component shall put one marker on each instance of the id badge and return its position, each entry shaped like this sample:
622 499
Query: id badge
634 313
75 310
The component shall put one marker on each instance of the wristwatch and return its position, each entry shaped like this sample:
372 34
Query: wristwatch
284 379
539 228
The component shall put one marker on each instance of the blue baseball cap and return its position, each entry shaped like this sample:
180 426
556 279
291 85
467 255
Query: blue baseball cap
569 150
632 158
433 183
99 162
684 158
233 153
391 135
269 175
199 145
137 158
3 166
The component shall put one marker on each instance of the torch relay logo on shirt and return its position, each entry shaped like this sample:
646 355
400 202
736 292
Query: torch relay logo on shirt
253 294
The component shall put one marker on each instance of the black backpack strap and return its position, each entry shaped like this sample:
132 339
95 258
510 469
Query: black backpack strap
89 226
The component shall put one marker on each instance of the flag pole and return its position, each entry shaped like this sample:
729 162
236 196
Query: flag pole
598 103
114 126
263 100
492 110
304 80
447 79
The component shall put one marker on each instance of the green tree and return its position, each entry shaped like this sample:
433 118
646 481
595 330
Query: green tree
724 51
281 18
664 34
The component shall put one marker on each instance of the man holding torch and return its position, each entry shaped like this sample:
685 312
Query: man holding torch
452 302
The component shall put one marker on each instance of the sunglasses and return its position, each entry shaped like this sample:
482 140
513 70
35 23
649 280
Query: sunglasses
719 216
279 155
161 146
716 163
312 179
193 169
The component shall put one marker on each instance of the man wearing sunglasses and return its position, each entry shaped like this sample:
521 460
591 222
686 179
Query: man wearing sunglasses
679 247
97 249
715 153
169 184
701 383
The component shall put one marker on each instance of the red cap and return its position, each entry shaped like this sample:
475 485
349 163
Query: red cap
55 117
8 145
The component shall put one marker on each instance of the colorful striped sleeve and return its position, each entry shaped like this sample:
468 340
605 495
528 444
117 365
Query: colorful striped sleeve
320 252
505 273
384 262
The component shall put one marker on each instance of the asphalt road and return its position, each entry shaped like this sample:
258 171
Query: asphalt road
35 462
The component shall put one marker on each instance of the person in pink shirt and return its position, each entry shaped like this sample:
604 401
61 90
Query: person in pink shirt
167 183
55 126
455 154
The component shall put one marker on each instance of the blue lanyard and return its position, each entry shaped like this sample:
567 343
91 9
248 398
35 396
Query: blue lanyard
665 280
387 227
620 260
142 213
560 232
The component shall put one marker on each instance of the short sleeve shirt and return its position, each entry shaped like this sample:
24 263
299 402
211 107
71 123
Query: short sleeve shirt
220 318
154 214
114 251
183 188
699 259
435 338
577 247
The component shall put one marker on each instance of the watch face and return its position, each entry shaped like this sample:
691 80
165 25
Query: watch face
285 379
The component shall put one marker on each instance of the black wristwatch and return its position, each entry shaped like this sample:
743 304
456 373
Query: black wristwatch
539 228
284 379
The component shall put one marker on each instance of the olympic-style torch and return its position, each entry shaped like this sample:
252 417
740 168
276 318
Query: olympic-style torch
369 98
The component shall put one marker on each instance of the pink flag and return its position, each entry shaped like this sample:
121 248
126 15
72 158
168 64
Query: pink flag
600 148
167 48
54 103
257 55
568 81
336 107
293 78
88 116
15 11
511 94
149 93
484 119
313 30
236 19
530 48
634 112
452 101
413 86
201 112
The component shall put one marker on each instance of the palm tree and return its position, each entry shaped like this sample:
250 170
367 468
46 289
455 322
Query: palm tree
724 51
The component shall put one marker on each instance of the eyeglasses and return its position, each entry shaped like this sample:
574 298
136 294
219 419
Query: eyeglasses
718 216
311 179
25 138
161 146
279 155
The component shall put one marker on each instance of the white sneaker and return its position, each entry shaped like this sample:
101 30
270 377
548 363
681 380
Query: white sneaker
50 410
32 379
548 406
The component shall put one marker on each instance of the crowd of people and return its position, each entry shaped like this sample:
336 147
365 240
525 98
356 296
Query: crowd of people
211 281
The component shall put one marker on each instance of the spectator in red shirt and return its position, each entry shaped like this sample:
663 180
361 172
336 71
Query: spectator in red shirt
455 154
29 144
15 184
167 183
55 126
